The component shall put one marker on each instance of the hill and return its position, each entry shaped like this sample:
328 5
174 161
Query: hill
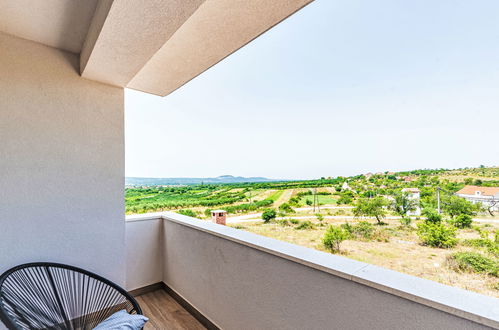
136 181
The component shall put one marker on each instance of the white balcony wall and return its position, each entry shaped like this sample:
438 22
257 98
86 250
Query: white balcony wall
239 280
144 253
61 162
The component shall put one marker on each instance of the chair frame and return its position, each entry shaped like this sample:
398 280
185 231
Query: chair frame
10 323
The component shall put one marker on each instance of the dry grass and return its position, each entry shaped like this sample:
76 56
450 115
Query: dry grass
401 253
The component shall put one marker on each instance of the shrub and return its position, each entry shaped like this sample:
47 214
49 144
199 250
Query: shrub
365 231
437 234
348 227
474 262
189 213
268 215
294 221
320 217
333 237
406 221
491 246
462 221
432 216
305 225
286 208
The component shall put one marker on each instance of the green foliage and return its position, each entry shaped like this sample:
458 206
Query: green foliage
455 206
189 213
305 225
462 221
346 197
248 206
320 218
403 204
286 208
308 202
294 221
371 207
333 237
432 215
406 221
474 262
365 231
491 246
437 234
268 215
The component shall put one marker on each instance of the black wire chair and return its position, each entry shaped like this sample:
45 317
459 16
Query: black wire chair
55 296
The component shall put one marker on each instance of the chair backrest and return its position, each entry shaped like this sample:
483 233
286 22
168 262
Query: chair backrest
56 296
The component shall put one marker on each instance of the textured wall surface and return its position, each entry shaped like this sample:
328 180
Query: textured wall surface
61 162
143 253
242 287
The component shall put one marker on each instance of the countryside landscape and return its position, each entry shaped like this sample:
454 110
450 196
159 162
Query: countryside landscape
421 222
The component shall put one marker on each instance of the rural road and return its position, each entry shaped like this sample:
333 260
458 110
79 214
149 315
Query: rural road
256 217
259 214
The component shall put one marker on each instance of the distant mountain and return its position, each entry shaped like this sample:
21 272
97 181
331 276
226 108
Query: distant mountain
135 181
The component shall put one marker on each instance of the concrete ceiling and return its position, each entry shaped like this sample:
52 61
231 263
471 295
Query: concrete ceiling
154 46
61 24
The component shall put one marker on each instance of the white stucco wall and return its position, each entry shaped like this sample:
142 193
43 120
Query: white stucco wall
240 280
144 255
61 162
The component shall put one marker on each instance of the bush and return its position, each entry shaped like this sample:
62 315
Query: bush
437 234
432 216
406 221
268 215
305 225
286 208
462 221
333 238
491 246
294 221
189 213
474 262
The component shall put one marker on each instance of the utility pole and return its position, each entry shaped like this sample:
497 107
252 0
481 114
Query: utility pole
438 200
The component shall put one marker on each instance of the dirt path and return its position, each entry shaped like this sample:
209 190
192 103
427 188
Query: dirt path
258 215
286 195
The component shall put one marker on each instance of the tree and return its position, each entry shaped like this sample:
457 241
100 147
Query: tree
491 206
455 206
268 215
403 204
308 202
371 207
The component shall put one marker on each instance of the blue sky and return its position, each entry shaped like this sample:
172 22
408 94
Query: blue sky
339 88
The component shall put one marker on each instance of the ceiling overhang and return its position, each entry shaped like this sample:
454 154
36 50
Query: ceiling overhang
153 46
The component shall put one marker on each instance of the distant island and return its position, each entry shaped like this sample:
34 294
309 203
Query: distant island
136 181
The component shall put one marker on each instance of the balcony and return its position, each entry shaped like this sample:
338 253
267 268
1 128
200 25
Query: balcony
233 279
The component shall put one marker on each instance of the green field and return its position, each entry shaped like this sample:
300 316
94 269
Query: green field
240 198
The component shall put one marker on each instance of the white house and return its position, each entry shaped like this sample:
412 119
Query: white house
488 196
414 194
